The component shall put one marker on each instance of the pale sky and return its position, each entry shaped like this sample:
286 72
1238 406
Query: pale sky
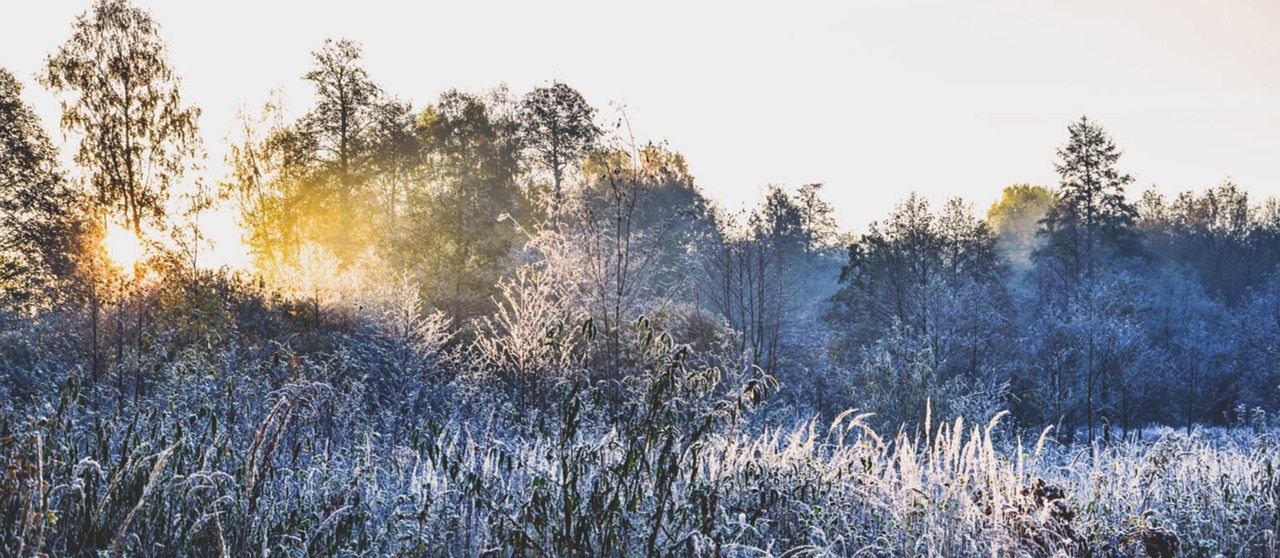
873 98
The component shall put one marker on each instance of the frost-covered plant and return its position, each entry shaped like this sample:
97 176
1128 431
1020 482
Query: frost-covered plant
531 341
264 436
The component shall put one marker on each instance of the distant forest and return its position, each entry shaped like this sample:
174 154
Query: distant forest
495 281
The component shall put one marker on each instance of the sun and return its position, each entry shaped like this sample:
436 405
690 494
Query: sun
124 248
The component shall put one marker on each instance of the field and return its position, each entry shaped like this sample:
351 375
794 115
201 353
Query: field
221 464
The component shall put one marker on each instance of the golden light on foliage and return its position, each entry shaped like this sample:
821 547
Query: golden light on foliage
123 247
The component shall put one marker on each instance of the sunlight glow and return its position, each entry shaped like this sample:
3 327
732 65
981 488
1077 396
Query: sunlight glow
123 247
227 248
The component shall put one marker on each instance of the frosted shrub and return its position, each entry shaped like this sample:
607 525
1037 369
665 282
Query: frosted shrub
530 341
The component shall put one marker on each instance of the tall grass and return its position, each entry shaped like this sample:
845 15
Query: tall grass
218 463
675 480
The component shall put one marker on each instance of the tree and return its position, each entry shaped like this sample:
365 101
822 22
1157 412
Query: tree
1016 218
767 279
608 254
816 216
1190 332
39 227
1255 351
347 107
935 276
1217 233
1091 221
122 98
397 167
668 205
621 247
272 174
1114 342
767 276
454 241
556 124
339 177
780 221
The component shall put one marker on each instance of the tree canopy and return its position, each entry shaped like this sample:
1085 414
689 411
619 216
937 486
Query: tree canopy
40 231
1091 219
122 97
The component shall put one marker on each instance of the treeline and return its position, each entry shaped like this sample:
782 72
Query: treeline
1071 306
498 244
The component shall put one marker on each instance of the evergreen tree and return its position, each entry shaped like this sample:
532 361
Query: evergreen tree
1090 221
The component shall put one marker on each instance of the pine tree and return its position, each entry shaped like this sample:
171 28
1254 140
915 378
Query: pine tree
1090 221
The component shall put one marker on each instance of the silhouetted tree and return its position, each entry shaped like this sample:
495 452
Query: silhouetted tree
455 242
40 229
340 124
816 217
122 98
557 124
1091 221
398 167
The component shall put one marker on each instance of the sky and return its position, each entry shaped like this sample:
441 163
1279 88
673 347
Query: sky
875 99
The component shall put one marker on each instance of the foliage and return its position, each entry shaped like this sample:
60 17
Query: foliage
40 227
122 98
556 124
1015 220
269 181
1091 221
226 466
339 127
1219 233
936 278
455 242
